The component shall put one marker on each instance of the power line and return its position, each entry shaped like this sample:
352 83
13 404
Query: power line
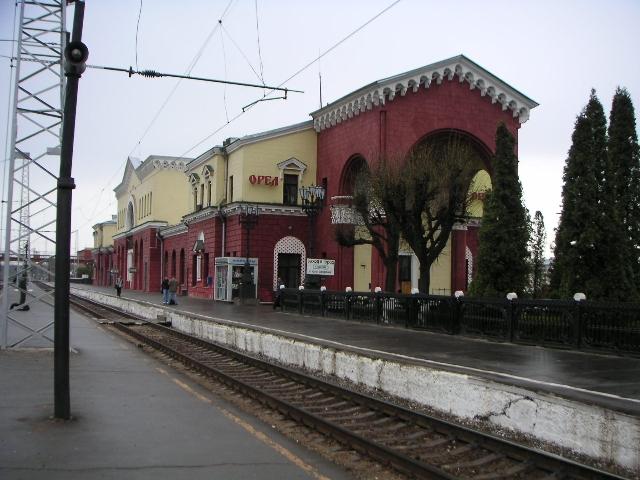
242 53
258 35
137 28
190 68
323 54
238 115
154 74
224 61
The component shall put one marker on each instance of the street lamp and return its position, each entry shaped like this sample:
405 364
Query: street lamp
249 219
312 203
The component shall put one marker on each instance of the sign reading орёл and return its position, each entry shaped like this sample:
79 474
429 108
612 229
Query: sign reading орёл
320 266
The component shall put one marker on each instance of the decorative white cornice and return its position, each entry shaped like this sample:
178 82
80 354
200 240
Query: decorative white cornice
458 68
234 209
168 163
203 214
173 230
139 228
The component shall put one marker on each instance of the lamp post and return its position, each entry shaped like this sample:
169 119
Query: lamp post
312 203
249 219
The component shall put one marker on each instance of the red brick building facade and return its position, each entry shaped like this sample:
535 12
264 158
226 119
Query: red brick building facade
385 119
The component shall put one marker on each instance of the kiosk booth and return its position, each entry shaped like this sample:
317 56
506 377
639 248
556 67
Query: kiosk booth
229 271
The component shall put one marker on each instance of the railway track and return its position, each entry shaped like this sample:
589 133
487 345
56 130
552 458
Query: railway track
414 444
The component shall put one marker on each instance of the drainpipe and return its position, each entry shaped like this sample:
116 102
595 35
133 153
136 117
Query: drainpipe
225 156
158 236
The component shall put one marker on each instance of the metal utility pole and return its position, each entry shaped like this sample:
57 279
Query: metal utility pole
75 54
36 101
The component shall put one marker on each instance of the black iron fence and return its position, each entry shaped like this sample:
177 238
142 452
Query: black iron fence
557 323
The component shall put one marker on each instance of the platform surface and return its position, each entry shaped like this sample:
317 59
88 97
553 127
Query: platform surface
609 380
133 418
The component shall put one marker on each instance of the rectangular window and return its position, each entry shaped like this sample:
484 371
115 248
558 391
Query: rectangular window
209 193
202 194
290 190
195 199
205 269
150 200
231 189
198 268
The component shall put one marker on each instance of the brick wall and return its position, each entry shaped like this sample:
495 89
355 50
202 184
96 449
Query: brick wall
392 130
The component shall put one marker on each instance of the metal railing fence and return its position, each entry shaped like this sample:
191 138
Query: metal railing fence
611 327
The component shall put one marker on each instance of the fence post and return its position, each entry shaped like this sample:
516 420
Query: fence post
347 303
300 299
456 315
512 297
378 304
578 298
323 301
412 309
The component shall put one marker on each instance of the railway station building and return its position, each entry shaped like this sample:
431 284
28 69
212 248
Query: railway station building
195 219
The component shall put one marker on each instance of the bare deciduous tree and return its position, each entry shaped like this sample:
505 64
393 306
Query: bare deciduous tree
419 197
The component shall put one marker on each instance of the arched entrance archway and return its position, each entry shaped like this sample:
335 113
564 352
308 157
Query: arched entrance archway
289 261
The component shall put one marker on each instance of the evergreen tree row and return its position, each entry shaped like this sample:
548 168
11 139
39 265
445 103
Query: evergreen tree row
597 241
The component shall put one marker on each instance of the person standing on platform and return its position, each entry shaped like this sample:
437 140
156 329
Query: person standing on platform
165 291
173 289
118 286
276 293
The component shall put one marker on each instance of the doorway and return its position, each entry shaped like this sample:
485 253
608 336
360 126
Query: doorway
289 269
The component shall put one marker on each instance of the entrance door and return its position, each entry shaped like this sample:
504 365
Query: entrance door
289 269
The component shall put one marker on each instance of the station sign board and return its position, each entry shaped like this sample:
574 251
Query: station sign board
320 266
235 261
263 180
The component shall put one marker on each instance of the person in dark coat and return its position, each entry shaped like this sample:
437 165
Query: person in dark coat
165 291
118 286
173 289
276 293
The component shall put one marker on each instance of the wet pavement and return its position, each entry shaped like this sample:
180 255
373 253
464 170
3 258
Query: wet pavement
133 418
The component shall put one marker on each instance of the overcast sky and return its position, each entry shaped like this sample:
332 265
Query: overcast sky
552 51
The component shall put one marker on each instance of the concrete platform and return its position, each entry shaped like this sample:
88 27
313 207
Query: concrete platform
134 418
588 403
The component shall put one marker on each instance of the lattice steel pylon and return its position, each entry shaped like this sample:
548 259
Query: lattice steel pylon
34 156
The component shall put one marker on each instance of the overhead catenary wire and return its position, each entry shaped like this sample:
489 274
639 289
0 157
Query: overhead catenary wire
188 71
298 72
224 62
137 29
258 36
272 89
155 74
235 44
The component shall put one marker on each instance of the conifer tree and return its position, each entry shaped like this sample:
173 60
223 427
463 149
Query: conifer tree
538 268
503 257
624 177
577 261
